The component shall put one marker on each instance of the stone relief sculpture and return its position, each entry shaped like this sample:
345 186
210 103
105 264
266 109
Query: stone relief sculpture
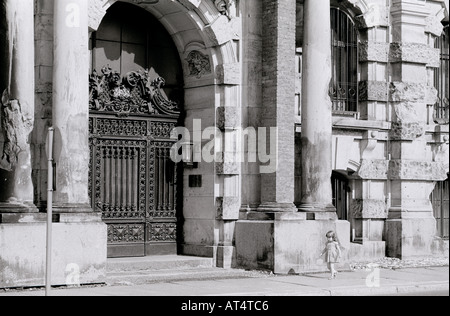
199 64
8 159
16 129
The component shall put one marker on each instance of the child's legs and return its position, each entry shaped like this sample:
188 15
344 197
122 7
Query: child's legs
331 267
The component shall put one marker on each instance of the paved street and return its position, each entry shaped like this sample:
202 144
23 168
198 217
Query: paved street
425 293
238 283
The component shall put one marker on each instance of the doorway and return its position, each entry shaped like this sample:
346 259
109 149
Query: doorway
136 98
340 191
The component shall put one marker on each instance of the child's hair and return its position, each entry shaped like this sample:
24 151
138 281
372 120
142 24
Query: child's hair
333 235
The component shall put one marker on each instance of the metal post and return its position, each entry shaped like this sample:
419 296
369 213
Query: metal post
48 281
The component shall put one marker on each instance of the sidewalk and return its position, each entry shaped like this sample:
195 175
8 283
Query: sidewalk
220 282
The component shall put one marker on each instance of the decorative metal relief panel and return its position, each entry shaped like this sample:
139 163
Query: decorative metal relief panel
163 192
120 178
132 180
162 232
112 127
134 93
126 233
161 129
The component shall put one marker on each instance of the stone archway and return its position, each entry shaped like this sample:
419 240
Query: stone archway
205 31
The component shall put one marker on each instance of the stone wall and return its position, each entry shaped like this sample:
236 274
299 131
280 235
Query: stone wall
392 151
75 261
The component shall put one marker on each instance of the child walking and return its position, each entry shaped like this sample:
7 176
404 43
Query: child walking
332 252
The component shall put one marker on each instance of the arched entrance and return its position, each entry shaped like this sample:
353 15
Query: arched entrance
136 99
207 41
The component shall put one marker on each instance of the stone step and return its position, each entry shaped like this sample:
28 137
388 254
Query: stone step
155 263
156 269
129 278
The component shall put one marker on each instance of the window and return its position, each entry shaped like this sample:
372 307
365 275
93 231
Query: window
344 50
130 39
121 40
440 201
441 81
298 81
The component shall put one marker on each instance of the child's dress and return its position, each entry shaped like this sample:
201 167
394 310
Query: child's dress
332 252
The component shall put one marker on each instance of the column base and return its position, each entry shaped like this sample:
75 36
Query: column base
273 207
410 237
288 244
18 207
72 208
23 217
315 207
78 256
318 211
225 256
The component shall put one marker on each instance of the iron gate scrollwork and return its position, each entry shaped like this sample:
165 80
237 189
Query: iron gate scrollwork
133 181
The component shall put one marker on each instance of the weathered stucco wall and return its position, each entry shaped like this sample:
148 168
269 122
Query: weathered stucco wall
78 254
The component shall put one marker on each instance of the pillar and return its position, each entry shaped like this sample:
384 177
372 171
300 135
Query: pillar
71 105
16 104
316 108
277 185
410 227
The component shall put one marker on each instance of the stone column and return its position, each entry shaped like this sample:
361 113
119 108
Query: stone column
71 105
16 104
316 108
277 185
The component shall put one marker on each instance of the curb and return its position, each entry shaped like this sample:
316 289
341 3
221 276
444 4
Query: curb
390 289
354 291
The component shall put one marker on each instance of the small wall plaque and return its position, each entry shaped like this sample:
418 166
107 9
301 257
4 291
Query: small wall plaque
195 181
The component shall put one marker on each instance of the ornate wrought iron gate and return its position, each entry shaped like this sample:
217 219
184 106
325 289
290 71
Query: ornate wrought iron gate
133 181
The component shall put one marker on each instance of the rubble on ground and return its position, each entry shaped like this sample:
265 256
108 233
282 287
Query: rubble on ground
395 263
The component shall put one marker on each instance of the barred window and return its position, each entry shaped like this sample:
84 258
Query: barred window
440 201
344 47
441 80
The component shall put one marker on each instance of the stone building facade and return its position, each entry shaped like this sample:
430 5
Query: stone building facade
299 116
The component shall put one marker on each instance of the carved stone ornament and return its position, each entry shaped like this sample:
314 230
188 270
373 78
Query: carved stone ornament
135 93
16 128
223 6
199 64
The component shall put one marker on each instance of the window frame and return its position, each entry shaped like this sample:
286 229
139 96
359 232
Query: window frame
439 198
440 78
352 61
